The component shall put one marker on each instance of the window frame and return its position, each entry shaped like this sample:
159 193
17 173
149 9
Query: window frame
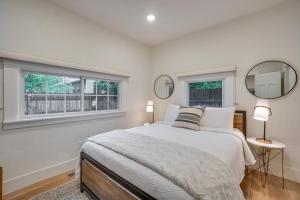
82 95
228 86
14 90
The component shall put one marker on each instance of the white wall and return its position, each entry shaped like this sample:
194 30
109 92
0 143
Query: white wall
40 28
270 34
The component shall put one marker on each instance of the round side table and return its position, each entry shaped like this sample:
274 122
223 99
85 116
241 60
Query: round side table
264 156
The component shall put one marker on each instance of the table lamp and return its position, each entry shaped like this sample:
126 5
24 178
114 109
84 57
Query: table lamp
150 109
262 111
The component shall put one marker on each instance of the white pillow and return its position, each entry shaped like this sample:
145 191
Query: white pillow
171 113
218 118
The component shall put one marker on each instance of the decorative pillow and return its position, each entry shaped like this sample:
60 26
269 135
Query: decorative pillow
189 117
218 118
171 113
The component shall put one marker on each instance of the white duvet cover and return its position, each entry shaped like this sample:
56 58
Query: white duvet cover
229 146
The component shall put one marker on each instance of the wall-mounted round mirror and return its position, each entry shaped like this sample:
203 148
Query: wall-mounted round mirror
271 79
163 86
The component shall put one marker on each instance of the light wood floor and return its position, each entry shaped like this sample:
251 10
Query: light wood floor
251 187
253 190
40 187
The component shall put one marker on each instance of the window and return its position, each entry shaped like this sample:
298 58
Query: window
45 94
100 95
38 94
206 93
49 94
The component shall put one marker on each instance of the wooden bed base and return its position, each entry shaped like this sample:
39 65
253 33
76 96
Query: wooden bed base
100 182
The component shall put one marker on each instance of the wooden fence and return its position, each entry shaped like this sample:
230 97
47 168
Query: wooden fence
206 97
37 104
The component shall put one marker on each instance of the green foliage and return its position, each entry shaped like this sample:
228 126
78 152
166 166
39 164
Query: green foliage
102 87
113 88
36 83
56 85
206 85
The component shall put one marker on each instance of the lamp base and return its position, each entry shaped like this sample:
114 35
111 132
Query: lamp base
265 141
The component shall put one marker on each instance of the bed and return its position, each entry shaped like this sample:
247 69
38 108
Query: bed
107 174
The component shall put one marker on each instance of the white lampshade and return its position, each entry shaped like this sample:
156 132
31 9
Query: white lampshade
150 106
149 109
262 110
150 103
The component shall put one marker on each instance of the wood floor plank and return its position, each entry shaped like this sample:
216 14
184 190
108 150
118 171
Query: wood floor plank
257 191
40 187
293 189
275 189
246 186
1 182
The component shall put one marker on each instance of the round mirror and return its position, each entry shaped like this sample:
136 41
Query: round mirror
163 86
271 79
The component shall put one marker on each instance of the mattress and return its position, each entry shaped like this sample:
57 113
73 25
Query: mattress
229 146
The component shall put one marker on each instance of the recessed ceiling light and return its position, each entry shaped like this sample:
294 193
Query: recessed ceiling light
151 18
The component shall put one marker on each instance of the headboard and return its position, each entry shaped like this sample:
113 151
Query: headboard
239 121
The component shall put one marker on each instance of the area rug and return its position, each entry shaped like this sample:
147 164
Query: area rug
68 191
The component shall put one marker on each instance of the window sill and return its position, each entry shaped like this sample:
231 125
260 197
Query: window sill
42 121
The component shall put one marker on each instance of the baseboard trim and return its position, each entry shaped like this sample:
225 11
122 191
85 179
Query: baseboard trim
16 183
290 173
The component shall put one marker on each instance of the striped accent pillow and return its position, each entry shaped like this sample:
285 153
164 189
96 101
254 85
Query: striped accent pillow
189 117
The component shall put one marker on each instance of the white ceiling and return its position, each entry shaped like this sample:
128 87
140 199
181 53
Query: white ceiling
174 17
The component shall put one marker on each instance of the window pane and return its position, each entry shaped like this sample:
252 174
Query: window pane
113 102
58 94
102 87
73 103
113 88
207 93
35 104
56 84
89 87
35 83
102 102
89 103
73 85
55 103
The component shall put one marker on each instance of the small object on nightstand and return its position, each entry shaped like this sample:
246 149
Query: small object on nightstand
264 157
262 111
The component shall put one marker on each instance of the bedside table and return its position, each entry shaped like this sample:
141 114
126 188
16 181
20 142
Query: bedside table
264 157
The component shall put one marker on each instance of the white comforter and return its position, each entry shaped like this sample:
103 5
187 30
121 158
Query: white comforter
229 146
